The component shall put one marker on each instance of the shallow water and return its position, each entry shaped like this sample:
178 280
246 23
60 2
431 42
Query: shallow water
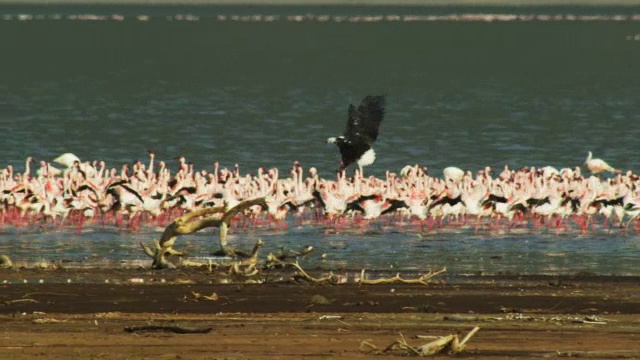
378 246
259 93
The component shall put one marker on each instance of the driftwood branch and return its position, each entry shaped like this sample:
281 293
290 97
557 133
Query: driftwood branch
274 262
248 267
449 344
195 221
5 261
197 296
424 279
20 301
303 274
285 254
173 329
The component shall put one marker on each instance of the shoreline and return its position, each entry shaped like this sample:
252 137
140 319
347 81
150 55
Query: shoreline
145 275
522 318
349 3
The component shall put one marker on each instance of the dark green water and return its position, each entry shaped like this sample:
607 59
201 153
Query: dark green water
469 94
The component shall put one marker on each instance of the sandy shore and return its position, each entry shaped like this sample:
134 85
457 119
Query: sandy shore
519 317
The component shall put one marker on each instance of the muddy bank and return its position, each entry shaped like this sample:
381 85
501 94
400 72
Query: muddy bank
172 292
523 317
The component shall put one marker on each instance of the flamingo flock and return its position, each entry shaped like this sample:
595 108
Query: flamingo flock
79 194
323 18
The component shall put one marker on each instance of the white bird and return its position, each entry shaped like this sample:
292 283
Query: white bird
549 171
66 159
69 160
633 210
597 166
453 174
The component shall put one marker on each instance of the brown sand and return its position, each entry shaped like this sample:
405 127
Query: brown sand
519 317
339 2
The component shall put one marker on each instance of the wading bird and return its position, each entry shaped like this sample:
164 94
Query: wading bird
597 166
363 124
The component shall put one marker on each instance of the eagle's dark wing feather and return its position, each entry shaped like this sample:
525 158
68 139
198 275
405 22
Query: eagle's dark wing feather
371 112
363 123
354 122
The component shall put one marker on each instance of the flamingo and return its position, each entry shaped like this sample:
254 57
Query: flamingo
374 206
633 210
66 159
453 174
146 192
448 204
597 166
549 171
333 203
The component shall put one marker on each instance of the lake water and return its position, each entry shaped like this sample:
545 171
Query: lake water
215 84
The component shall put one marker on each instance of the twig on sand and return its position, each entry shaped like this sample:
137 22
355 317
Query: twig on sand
424 279
197 296
20 301
274 262
330 278
173 329
450 344
367 346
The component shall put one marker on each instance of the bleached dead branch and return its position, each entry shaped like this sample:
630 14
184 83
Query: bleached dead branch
449 344
193 222
424 279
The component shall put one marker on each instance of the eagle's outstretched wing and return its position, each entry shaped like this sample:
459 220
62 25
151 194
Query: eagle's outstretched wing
364 122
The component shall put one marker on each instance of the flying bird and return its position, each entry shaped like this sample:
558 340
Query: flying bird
363 123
